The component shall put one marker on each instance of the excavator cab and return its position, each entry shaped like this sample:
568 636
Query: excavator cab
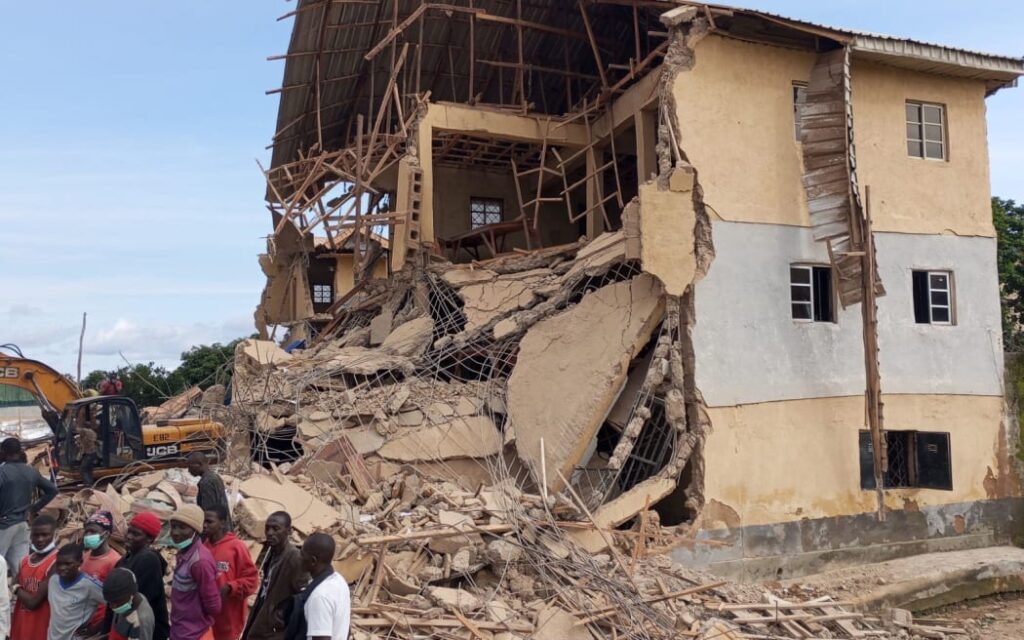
112 421
118 432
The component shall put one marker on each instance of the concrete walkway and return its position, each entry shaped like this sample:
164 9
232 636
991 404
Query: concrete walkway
922 582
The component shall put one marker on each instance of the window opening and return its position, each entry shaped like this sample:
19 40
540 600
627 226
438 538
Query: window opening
323 294
799 98
926 130
917 459
484 211
811 295
933 297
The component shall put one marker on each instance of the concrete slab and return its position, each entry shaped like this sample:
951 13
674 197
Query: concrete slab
922 582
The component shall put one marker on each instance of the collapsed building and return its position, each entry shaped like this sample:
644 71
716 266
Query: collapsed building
697 268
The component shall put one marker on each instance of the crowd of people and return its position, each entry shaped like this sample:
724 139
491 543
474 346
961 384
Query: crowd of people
88 589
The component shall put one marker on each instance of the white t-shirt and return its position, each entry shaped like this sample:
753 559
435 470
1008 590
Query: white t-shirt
329 609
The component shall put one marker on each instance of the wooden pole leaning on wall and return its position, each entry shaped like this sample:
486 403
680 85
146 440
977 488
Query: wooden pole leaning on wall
873 388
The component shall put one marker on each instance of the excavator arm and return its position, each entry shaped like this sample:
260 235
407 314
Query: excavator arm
50 389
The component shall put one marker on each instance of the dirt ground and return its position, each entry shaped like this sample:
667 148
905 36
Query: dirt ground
999 617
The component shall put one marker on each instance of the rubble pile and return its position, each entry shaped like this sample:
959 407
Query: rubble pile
488 444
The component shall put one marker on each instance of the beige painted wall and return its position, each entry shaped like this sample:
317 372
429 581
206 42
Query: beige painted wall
454 187
735 110
344 274
783 461
913 195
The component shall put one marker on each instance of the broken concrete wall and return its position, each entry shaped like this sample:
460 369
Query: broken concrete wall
571 368
286 297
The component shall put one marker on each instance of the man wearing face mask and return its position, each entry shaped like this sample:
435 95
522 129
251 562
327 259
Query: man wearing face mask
30 615
100 559
133 617
195 597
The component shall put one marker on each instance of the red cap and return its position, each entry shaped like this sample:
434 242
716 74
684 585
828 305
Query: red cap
148 523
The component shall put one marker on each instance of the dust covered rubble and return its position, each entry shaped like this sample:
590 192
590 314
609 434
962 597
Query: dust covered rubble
466 434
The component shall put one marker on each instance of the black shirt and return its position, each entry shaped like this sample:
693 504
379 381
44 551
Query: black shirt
149 568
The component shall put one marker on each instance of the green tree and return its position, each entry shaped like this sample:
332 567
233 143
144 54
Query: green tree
205 365
147 384
1008 217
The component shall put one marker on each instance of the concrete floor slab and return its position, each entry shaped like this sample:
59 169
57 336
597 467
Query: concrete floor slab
921 582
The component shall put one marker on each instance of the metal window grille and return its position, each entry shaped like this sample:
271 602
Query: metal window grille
926 130
898 475
484 211
323 294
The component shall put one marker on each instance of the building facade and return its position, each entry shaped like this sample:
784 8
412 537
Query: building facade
807 196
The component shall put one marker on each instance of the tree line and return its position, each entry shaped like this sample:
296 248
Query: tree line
150 384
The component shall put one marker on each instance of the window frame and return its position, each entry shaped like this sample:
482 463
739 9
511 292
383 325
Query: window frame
918 445
485 201
797 87
318 288
813 302
950 292
922 130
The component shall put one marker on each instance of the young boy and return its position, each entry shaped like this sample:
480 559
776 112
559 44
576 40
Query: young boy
73 596
133 618
30 615
237 576
100 559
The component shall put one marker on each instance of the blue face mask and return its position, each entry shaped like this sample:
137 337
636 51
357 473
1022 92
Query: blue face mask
92 540
184 544
123 609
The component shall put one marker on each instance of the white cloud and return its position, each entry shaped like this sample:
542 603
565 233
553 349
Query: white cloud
160 342
105 342
24 311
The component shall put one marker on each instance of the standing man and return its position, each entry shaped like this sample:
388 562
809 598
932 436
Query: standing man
133 618
195 598
112 386
283 578
237 576
30 617
74 597
100 559
211 487
148 566
326 608
18 483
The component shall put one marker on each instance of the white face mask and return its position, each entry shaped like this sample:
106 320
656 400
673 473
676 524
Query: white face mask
45 549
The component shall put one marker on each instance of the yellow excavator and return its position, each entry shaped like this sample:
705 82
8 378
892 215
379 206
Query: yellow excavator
121 439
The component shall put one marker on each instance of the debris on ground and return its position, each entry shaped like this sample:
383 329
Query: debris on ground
488 444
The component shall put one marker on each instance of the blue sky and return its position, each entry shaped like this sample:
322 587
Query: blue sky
128 187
